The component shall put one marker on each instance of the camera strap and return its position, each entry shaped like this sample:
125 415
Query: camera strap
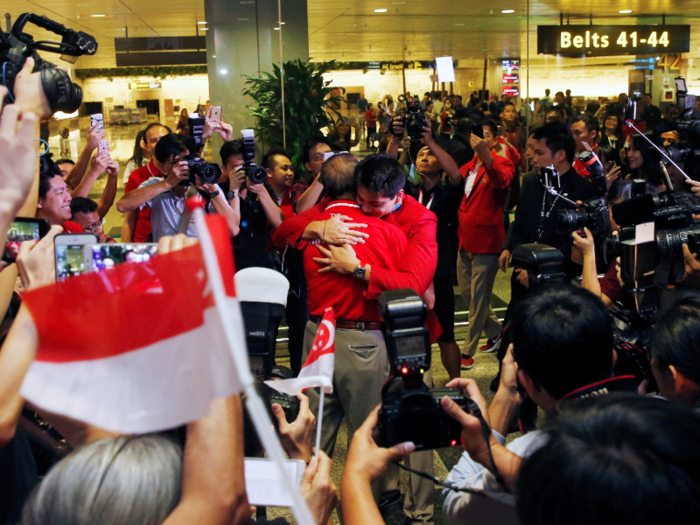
487 435
545 216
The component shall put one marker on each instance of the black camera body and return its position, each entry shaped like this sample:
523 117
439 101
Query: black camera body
410 410
413 118
16 46
256 174
544 264
592 214
209 173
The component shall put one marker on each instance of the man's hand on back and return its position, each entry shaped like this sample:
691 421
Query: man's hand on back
337 230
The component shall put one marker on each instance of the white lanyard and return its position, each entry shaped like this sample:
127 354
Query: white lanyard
430 201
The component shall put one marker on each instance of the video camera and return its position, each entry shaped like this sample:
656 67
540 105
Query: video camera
413 118
16 46
256 174
263 296
410 410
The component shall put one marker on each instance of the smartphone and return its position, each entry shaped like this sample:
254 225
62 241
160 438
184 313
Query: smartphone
100 257
215 113
97 122
264 484
23 229
68 249
328 154
103 146
349 121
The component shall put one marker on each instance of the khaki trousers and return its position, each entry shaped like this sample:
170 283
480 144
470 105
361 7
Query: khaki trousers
476 273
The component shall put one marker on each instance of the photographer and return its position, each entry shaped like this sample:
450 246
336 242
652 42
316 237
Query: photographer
608 288
675 352
560 328
166 196
613 459
255 208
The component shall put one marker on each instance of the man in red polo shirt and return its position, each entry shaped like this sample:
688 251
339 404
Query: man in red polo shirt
486 180
585 130
137 223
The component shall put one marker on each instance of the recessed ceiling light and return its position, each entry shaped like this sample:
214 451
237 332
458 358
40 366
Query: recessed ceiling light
380 10
98 16
625 11
213 56
276 28
201 23
508 11
204 29
223 71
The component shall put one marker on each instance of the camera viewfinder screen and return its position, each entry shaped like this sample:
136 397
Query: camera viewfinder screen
106 256
19 232
69 261
411 346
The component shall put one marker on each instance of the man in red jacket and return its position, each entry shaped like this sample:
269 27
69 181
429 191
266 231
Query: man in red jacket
486 181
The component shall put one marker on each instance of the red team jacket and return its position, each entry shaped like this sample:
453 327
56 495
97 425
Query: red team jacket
481 214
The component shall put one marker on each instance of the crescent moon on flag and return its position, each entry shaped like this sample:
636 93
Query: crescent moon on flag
331 332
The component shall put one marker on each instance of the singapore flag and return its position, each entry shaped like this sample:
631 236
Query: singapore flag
318 368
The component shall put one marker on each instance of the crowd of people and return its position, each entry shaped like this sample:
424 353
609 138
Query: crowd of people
343 232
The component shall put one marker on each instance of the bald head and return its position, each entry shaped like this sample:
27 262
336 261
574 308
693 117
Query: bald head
338 174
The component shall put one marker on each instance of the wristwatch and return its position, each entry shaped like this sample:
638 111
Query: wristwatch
359 271
214 194
231 194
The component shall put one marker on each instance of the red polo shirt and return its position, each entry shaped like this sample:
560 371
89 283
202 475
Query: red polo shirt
143 223
418 264
348 295
286 204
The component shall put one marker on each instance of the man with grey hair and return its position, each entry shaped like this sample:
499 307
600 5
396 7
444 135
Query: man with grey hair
361 365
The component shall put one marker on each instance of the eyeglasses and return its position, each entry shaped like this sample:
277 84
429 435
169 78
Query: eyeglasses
94 227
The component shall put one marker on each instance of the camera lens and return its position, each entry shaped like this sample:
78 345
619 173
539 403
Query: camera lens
210 173
256 174
572 220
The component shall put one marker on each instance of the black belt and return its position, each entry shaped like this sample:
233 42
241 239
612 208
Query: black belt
350 325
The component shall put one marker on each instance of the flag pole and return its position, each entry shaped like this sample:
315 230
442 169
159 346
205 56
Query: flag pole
320 421
256 409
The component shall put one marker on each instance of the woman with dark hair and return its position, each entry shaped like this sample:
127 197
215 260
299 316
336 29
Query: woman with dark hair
183 127
612 131
643 161
140 157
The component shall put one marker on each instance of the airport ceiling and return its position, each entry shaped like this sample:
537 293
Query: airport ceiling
351 30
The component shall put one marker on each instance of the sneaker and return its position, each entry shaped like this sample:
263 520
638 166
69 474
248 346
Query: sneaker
467 362
491 345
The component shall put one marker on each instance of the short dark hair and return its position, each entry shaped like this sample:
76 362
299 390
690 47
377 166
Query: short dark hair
592 107
229 149
589 121
82 205
557 139
380 174
488 123
563 338
675 338
615 456
47 171
559 110
169 146
65 161
312 143
621 189
268 161
338 175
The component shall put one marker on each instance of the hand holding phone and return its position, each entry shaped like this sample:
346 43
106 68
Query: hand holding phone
97 122
69 253
20 230
35 261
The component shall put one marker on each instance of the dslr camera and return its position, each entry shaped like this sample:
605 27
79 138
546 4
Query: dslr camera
16 46
209 173
413 118
256 174
410 410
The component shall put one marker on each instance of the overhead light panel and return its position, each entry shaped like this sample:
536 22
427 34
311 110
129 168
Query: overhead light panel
201 23
380 10
508 11
98 16
625 11
204 29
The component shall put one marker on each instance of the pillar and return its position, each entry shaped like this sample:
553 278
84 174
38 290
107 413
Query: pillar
241 41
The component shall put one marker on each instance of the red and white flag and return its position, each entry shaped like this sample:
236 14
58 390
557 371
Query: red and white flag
138 348
318 368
